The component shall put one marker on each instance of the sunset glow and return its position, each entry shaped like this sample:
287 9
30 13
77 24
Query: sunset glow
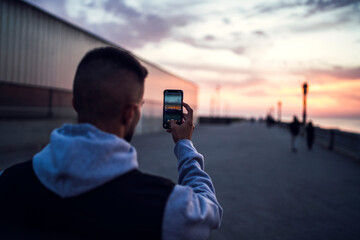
245 56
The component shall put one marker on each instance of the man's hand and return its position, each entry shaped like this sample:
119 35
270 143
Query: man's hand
185 130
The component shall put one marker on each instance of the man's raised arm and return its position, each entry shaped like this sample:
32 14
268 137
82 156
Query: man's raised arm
192 210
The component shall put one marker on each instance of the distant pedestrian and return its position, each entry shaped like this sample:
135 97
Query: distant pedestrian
294 130
310 135
269 120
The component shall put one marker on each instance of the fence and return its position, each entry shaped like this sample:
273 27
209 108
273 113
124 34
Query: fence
338 141
346 143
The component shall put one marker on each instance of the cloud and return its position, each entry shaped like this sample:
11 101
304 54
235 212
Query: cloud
323 6
321 26
239 43
56 6
260 33
312 6
138 28
205 42
274 7
119 7
226 21
236 35
340 95
209 67
239 50
209 38
249 82
246 83
213 43
134 26
114 20
350 15
337 72
256 93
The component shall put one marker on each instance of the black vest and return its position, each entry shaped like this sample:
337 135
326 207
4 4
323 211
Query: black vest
128 207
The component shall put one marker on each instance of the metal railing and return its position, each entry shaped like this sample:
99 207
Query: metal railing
346 143
343 142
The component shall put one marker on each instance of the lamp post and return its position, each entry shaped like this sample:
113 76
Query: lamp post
279 111
305 87
218 87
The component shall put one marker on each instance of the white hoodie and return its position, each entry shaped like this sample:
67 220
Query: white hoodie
81 157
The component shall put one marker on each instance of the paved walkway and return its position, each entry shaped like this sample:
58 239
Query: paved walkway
268 192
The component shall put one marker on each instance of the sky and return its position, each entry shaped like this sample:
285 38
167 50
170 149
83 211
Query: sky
245 56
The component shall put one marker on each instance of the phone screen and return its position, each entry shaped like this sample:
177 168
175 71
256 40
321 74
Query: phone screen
172 107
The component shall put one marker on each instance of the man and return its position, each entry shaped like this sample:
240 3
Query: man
86 184
310 135
294 130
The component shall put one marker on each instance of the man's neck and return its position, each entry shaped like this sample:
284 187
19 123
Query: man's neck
112 128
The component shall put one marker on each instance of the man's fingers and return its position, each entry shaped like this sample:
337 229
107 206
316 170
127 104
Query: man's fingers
190 111
188 108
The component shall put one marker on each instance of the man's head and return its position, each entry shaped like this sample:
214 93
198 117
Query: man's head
108 90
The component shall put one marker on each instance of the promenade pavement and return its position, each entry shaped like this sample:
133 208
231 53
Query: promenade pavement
267 191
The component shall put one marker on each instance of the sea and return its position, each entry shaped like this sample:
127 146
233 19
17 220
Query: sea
340 123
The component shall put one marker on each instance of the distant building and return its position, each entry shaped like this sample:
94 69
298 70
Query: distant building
39 54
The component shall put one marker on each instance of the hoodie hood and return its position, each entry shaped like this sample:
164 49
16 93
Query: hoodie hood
81 157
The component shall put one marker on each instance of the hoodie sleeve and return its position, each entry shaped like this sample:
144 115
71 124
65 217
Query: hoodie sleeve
192 210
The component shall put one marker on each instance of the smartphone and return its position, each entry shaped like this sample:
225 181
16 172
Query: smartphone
173 107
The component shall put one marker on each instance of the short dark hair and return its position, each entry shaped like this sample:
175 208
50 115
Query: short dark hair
97 67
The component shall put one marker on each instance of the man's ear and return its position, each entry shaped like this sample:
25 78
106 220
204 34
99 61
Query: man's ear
73 104
129 114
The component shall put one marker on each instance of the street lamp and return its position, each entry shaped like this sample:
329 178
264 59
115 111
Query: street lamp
279 111
305 87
